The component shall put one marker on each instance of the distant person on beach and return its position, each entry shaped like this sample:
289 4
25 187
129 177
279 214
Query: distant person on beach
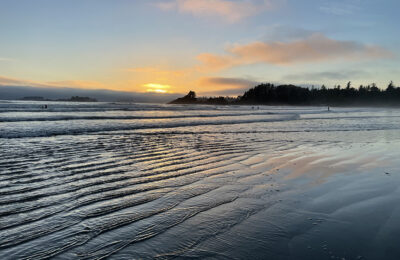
329 109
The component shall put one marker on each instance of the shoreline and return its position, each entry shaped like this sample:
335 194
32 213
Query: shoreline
290 105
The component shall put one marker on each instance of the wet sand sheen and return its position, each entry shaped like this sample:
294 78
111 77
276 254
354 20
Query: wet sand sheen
202 191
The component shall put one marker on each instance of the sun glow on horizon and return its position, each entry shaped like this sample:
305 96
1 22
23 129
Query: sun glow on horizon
157 88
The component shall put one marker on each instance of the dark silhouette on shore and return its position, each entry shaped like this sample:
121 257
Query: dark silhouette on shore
190 98
269 94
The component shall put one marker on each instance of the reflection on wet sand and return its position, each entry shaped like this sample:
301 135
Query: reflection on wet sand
265 190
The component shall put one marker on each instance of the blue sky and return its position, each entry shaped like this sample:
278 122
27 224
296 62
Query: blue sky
211 46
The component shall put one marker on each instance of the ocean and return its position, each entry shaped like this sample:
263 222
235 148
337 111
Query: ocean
143 181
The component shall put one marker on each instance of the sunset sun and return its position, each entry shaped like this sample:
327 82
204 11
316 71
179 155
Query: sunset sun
157 88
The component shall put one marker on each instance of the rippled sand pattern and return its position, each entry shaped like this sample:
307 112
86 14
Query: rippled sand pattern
93 196
238 190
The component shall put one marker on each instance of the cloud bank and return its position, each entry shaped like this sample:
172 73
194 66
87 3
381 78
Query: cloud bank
18 92
312 49
14 89
66 83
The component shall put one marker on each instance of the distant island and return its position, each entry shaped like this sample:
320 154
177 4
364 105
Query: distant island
269 94
79 99
34 98
72 99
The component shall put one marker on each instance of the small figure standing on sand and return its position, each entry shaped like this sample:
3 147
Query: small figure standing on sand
329 109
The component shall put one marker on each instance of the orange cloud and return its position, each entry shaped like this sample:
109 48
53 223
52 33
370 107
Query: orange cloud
76 83
315 48
231 11
18 82
6 81
214 62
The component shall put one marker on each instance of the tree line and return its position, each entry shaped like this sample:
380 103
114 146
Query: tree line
269 94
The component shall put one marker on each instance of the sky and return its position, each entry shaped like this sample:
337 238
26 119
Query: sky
214 47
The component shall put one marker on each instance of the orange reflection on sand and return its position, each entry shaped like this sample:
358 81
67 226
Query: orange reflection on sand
319 164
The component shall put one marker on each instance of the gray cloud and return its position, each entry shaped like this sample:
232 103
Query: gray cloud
226 92
240 82
280 32
327 75
341 8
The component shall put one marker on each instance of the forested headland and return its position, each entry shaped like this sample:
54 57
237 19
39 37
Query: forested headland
269 94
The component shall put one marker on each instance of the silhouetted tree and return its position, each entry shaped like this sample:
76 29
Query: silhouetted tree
269 94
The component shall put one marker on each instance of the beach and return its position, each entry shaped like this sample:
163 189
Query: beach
144 181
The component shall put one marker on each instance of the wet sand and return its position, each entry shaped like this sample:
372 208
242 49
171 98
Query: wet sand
237 191
306 202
